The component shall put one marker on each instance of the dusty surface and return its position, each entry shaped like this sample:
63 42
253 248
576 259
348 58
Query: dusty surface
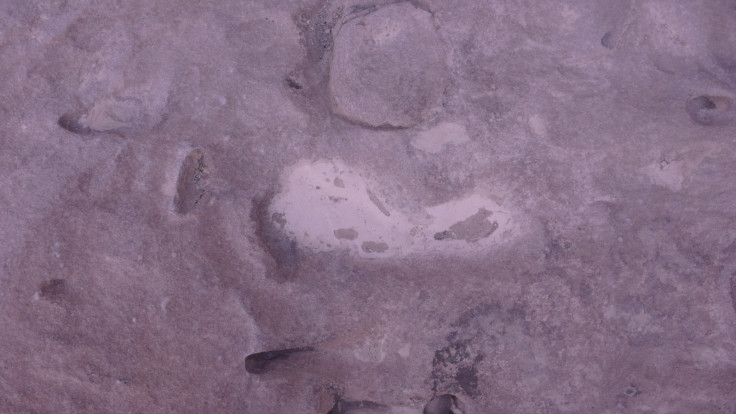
466 206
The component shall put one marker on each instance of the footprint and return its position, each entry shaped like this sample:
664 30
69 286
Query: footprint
191 184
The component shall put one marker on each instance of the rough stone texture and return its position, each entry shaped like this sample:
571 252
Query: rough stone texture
189 226
388 66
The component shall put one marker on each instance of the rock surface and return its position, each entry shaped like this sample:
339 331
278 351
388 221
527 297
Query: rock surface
308 206
388 66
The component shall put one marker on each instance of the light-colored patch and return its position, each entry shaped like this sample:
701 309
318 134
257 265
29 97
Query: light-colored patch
405 351
570 17
372 349
164 302
673 170
537 125
673 30
112 113
386 31
359 221
433 140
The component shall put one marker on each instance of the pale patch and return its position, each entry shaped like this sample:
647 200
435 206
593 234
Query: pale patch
538 126
673 170
387 31
327 205
113 113
372 350
433 140
405 351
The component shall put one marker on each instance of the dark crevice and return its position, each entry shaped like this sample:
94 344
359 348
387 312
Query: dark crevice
346 407
260 362
71 123
190 186
441 404
281 248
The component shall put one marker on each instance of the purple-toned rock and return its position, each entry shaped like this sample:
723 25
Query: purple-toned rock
388 67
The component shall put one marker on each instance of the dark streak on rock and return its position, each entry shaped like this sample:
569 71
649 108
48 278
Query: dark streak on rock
53 289
280 247
318 30
190 186
374 247
733 291
471 230
444 235
346 407
259 362
71 123
293 83
607 41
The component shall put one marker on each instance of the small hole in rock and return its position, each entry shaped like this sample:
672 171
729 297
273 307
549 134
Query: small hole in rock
632 391
606 40
71 123
702 110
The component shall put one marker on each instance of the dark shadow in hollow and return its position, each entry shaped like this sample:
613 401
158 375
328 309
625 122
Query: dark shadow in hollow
346 407
441 404
259 362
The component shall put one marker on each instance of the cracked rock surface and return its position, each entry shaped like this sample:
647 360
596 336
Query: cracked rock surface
312 206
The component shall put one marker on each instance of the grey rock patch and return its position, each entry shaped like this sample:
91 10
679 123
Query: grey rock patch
472 229
374 247
346 234
375 200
